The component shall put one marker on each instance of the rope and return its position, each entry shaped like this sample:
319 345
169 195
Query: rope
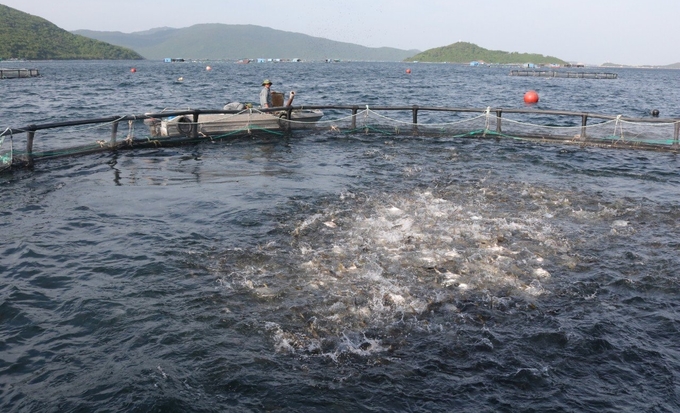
131 130
488 113
376 114
335 121
619 125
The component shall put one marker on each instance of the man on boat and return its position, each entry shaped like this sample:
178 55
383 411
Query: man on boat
266 94
266 98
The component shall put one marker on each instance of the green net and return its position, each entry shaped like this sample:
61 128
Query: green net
5 154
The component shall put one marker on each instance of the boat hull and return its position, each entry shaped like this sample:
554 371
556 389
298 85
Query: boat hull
218 124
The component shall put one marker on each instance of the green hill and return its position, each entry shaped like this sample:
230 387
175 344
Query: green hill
233 41
23 36
671 66
463 52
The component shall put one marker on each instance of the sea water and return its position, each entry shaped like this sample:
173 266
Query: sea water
324 271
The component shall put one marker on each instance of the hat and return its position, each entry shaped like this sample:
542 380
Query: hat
266 82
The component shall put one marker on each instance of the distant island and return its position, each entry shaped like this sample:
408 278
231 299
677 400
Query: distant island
23 36
672 66
464 52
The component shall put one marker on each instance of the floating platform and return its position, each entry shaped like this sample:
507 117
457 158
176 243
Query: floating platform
556 73
17 73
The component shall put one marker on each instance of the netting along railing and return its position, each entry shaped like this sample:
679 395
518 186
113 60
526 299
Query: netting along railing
118 132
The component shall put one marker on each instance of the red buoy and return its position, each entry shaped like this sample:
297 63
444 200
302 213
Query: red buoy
133 70
408 71
531 97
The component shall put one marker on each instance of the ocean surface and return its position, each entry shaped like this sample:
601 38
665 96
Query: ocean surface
326 272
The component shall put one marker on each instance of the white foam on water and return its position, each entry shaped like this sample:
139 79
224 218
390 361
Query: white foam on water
381 262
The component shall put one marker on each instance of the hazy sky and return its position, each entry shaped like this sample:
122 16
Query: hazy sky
634 32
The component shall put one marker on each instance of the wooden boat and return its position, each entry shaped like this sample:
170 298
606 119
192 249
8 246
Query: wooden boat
218 124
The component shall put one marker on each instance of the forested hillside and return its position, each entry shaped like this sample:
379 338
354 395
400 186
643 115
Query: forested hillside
23 36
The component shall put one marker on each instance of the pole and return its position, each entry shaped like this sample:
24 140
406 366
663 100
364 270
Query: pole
584 121
194 130
499 113
114 132
29 147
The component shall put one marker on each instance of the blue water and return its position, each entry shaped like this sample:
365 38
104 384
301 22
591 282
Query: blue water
338 272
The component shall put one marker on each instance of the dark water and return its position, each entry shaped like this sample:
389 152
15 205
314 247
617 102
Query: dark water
327 272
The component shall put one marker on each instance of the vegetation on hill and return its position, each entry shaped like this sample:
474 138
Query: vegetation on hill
239 41
671 66
23 36
463 52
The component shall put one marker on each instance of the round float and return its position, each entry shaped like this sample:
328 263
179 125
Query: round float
531 97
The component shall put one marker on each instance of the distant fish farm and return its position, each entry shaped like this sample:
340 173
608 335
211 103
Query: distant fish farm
570 74
17 73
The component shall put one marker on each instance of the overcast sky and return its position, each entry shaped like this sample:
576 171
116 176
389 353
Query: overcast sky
634 32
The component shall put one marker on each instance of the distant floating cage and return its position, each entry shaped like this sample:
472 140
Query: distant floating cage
78 137
18 73
565 73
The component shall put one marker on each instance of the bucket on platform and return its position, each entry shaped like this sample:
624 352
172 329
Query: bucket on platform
277 98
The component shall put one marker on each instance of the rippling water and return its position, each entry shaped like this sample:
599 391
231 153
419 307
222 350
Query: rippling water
333 272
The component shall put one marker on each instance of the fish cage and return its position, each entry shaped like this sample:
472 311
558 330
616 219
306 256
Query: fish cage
23 146
564 73
18 73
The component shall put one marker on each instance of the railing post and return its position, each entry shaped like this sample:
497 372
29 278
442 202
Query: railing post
499 113
355 109
289 114
584 121
114 132
30 135
194 129
414 125
676 134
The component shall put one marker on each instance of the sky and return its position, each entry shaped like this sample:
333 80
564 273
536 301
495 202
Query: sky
630 32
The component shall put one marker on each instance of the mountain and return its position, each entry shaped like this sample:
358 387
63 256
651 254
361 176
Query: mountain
463 52
23 36
231 41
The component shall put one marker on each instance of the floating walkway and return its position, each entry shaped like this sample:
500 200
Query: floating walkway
22 146
17 73
566 73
